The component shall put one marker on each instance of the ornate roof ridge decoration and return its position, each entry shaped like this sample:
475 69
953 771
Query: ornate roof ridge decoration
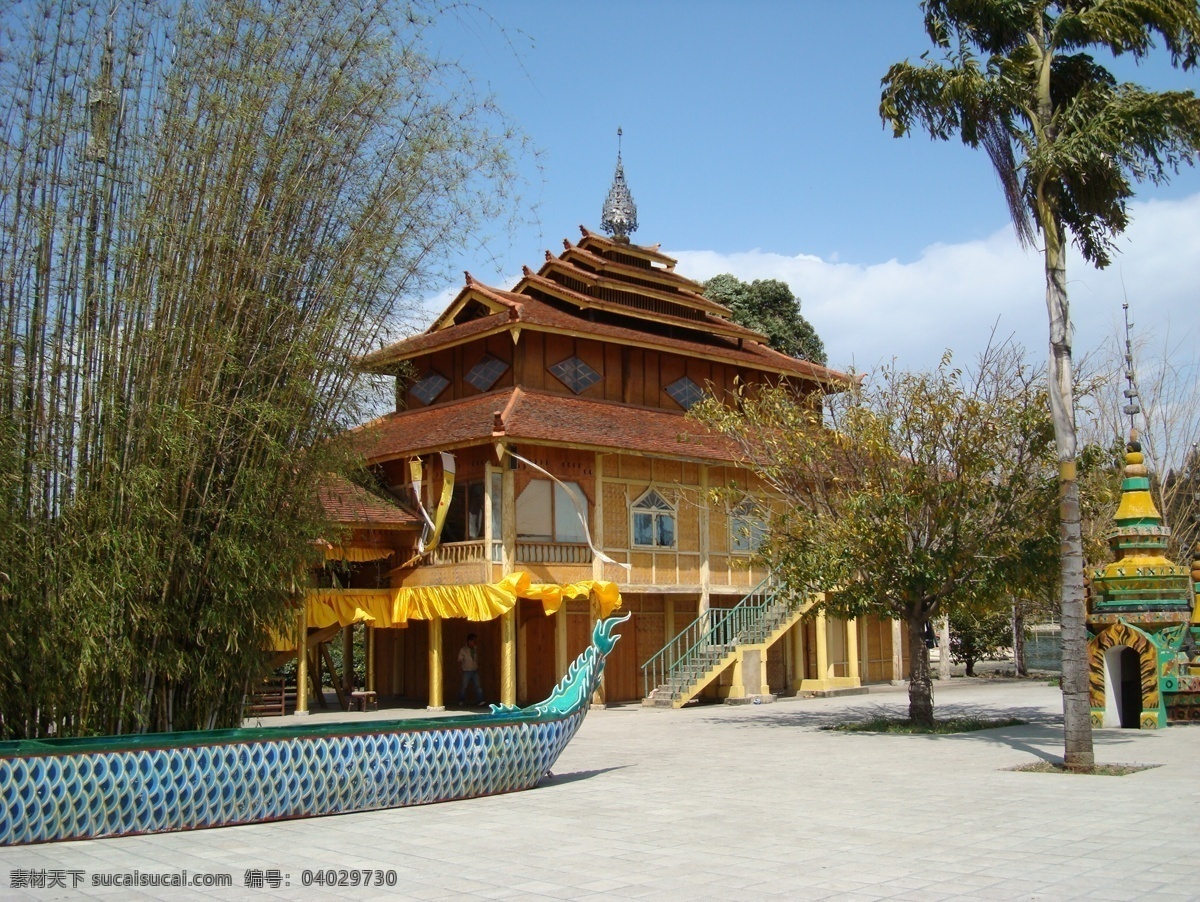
619 214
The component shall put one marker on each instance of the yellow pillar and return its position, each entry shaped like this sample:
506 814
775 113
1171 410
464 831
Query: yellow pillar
797 655
598 518
508 657
508 521
436 691
822 631
560 641
370 655
302 661
852 670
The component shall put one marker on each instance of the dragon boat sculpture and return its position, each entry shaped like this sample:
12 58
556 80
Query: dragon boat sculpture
60 789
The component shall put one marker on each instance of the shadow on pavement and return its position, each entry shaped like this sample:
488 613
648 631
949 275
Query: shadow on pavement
560 779
1042 727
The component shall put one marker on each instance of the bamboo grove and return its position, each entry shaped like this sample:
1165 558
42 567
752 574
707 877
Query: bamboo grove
207 211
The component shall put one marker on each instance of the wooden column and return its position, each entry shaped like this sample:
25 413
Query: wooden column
597 518
370 656
508 520
508 657
302 660
560 641
522 656
436 690
597 567
347 659
852 668
705 567
898 674
822 631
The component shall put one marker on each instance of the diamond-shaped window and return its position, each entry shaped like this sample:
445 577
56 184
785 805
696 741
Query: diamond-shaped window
685 392
575 374
484 374
428 387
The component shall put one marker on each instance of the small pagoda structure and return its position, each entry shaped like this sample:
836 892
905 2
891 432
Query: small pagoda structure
1143 656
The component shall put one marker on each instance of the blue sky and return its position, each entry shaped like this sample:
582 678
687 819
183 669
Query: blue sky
752 144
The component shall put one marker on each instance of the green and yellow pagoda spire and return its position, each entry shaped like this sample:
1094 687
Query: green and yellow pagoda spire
1141 578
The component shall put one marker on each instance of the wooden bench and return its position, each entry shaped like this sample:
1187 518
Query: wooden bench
364 700
270 700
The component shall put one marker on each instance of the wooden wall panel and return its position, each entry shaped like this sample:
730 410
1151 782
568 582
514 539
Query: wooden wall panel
612 373
622 681
718 567
689 569
667 472
643 569
777 668
666 572
631 466
687 521
537 634
650 379
616 516
631 375
650 640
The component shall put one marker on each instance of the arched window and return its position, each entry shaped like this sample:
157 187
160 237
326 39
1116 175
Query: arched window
747 527
653 521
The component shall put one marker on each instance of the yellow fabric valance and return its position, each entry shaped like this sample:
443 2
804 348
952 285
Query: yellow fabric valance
395 607
356 554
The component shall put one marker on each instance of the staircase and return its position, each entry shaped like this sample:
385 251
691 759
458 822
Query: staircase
711 642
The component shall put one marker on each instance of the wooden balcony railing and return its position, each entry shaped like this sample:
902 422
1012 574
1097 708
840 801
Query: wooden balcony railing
459 553
553 553
527 553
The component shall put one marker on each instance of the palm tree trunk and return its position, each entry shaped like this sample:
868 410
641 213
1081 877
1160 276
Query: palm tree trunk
1077 722
920 683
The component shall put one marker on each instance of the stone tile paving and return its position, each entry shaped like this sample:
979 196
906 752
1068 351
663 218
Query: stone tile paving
740 803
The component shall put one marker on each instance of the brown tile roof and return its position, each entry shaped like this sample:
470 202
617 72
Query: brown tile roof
708 324
544 418
688 290
346 502
645 251
532 313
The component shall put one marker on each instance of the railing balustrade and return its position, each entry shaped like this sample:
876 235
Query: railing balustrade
553 553
717 630
458 553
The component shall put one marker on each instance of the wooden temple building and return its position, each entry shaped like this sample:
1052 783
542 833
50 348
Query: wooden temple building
542 452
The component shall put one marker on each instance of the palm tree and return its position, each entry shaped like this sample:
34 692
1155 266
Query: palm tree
1067 141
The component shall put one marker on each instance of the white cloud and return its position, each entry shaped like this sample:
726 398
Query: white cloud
954 293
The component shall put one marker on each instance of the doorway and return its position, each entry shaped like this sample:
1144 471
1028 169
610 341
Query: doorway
1122 688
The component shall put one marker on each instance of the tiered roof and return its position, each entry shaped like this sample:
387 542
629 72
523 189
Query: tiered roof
610 290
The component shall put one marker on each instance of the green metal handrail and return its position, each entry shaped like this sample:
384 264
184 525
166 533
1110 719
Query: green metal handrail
715 629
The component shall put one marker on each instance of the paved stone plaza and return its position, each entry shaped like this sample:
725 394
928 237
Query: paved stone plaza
741 803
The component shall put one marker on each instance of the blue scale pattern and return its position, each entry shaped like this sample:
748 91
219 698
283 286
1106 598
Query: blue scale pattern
55 797
90 794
